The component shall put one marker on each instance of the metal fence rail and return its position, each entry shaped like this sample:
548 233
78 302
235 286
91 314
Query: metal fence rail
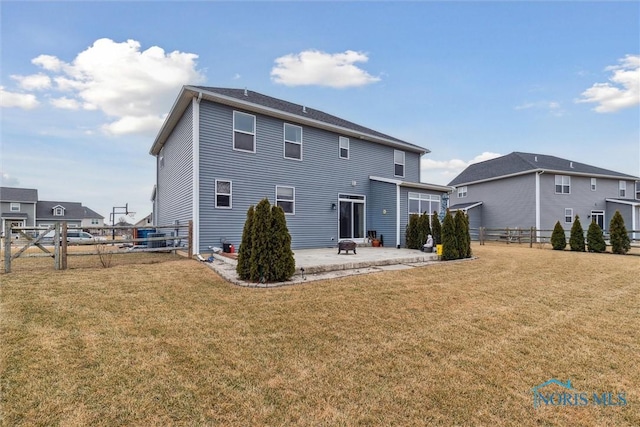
529 235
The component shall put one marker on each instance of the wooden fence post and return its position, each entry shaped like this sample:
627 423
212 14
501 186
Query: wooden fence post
56 246
531 237
63 246
7 246
190 239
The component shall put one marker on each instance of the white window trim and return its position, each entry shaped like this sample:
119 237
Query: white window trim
462 192
15 207
340 147
255 143
230 194
422 198
622 188
161 158
569 210
594 184
284 145
287 200
404 161
562 184
58 211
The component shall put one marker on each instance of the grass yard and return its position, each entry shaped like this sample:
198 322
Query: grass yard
161 340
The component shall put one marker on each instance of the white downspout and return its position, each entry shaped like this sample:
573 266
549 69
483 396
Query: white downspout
196 173
538 205
398 216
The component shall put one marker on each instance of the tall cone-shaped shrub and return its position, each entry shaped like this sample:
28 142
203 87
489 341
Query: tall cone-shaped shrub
260 268
461 233
576 238
244 254
424 229
595 238
620 242
283 264
436 228
411 234
449 242
558 238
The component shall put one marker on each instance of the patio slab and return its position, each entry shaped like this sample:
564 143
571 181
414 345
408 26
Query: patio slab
326 263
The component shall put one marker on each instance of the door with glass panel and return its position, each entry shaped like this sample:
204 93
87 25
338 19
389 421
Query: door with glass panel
351 222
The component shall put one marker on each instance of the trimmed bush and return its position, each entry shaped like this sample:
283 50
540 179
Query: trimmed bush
244 254
283 264
436 228
259 270
558 238
424 229
595 238
620 242
462 234
449 242
576 238
411 234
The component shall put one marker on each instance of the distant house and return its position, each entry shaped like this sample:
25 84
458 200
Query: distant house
147 221
222 150
73 213
536 190
18 206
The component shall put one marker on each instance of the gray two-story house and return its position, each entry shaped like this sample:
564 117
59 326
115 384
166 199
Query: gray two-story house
222 150
536 190
18 206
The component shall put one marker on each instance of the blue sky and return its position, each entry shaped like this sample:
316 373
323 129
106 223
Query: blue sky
86 85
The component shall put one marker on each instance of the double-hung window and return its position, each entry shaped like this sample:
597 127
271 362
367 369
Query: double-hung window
568 215
244 132
15 207
563 184
622 188
462 192
398 163
292 142
286 199
344 147
223 194
593 184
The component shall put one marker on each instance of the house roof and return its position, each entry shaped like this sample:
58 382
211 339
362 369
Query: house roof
415 185
518 163
465 206
23 195
90 213
259 103
73 211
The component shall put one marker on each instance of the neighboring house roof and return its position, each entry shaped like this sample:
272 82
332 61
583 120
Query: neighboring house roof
73 211
91 214
518 163
257 102
415 185
22 195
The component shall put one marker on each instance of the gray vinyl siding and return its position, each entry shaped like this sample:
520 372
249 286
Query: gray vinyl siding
382 211
174 197
318 178
625 210
581 199
506 203
27 208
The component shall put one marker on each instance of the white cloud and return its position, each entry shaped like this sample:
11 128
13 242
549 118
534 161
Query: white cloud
134 88
7 180
25 101
65 103
552 107
443 171
33 82
313 67
622 91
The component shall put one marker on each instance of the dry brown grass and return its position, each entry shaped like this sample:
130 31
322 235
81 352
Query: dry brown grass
170 343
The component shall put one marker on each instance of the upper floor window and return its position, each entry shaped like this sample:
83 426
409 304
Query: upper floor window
462 192
622 188
161 158
15 207
223 194
292 142
95 221
286 199
344 147
58 211
563 184
398 163
244 132
568 215
593 184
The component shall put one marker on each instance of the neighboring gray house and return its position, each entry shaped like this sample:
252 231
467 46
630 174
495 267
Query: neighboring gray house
535 190
18 205
76 215
221 150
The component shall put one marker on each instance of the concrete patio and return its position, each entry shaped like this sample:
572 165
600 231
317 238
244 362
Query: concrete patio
326 263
